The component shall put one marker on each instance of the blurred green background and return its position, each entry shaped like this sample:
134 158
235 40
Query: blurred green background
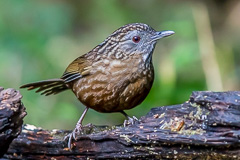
38 39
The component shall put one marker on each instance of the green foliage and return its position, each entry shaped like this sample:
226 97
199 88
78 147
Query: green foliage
38 39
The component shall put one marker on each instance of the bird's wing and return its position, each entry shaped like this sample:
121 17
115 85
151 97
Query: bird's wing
78 68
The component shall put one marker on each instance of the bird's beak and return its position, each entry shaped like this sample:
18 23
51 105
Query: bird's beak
159 35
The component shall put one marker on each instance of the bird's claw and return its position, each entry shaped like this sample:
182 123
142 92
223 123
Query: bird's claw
130 121
72 136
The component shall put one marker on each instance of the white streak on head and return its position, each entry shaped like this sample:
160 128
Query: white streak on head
145 57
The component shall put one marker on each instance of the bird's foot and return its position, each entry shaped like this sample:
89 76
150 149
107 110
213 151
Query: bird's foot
72 136
130 121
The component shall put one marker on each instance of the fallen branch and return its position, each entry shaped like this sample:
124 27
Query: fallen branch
12 113
205 127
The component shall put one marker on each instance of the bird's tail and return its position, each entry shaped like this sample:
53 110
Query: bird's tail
47 87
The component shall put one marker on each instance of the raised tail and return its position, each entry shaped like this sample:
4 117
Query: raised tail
47 87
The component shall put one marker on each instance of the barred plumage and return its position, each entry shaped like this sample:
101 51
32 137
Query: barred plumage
114 76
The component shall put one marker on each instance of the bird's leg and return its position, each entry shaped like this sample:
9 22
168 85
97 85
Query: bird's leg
129 120
76 130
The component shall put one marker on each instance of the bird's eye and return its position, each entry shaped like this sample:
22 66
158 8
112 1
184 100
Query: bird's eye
136 39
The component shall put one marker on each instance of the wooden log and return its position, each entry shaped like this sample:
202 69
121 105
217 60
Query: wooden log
207 126
12 112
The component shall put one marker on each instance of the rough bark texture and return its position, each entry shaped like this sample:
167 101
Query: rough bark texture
12 113
207 126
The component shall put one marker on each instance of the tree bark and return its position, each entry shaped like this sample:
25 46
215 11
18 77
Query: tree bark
12 112
207 126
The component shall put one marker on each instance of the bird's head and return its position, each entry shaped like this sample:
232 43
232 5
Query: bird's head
135 38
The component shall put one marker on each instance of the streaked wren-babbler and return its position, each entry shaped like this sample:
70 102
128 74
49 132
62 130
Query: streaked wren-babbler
114 76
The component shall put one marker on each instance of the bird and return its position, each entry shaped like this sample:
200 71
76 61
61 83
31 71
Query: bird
114 76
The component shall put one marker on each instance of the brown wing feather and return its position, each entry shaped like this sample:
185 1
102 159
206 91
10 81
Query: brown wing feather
78 68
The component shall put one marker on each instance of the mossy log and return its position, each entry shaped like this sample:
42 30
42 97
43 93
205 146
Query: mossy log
207 126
